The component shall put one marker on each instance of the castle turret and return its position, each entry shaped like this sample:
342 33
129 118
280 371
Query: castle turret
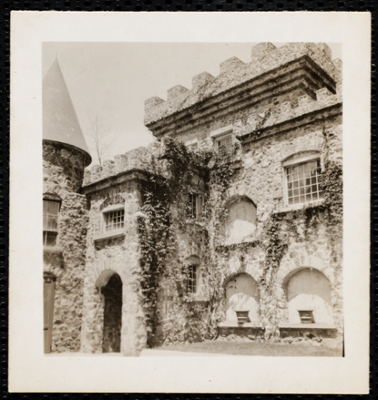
65 155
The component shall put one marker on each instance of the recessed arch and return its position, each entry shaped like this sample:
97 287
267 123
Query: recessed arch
308 289
240 222
242 294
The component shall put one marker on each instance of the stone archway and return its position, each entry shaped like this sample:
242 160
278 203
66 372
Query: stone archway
110 286
242 295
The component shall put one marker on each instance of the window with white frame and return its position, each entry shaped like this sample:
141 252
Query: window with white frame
195 206
302 180
114 220
50 222
192 283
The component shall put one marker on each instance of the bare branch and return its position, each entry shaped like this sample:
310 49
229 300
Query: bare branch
100 136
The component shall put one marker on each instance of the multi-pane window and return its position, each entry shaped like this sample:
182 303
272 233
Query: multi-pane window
192 279
114 220
224 142
195 206
303 182
50 222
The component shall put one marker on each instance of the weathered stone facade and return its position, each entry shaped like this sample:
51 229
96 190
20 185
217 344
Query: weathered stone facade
285 104
109 255
63 170
239 245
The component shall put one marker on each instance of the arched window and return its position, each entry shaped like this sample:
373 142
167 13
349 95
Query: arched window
309 297
241 221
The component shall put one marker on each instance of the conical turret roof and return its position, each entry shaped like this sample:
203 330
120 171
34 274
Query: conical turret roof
60 122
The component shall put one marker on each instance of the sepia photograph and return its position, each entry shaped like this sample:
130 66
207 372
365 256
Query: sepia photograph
203 196
223 234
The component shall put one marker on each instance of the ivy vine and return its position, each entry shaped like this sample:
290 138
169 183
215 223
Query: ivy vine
163 269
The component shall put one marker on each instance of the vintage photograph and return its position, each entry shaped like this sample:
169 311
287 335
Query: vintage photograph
193 199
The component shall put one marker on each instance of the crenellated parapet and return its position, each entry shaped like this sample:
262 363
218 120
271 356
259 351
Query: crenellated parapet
265 57
144 159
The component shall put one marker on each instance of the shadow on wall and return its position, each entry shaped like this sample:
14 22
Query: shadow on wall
242 295
309 290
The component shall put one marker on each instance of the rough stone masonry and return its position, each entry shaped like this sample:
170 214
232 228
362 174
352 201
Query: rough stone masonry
282 116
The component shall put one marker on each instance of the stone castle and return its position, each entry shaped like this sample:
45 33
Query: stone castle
229 224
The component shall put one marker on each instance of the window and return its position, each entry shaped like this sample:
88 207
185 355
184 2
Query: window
114 220
223 143
223 138
50 222
192 279
195 206
303 182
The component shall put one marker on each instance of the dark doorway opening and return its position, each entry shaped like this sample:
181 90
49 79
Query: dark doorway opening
112 315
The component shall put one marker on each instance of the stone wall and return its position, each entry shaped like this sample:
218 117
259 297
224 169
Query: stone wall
267 134
113 255
63 167
62 176
260 178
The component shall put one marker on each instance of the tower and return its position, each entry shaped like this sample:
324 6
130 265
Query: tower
65 155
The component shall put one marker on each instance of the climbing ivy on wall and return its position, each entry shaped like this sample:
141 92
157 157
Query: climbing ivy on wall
299 224
163 270
164 273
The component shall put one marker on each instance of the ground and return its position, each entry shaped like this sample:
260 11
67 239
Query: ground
256 349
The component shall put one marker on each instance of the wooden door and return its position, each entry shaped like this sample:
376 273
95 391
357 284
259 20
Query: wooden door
48 308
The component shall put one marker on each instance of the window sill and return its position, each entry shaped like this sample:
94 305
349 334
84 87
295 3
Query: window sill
243 244
109 235
301 206
197 299
307 326
52 249
235 324
195 222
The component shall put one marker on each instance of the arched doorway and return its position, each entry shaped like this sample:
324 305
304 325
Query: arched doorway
112 292
309 294
242 295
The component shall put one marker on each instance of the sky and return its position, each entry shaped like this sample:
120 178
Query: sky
113 80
